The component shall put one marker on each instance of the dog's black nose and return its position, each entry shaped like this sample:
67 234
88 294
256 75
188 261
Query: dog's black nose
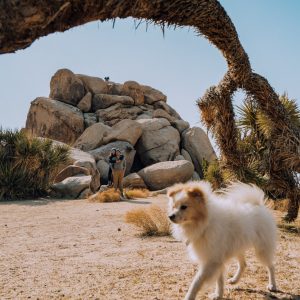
172 217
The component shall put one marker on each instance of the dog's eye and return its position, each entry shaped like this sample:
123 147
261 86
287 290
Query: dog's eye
183 207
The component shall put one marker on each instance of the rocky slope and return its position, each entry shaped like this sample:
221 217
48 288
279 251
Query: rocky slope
93 116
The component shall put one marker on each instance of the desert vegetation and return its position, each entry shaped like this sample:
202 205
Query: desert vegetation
27 165
255 146
110 195
137 193
151 221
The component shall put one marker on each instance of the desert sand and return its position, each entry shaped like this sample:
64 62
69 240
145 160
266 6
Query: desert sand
74 249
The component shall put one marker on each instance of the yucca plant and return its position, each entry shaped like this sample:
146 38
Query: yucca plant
255 142
27 165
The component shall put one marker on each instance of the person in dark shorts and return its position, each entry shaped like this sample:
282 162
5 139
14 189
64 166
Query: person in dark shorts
118 170
111 160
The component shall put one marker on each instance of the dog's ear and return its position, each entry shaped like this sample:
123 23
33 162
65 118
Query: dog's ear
195 192
174 190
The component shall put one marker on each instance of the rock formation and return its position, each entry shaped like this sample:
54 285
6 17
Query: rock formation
93 116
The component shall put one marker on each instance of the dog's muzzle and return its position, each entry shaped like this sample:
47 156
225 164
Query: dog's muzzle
172 217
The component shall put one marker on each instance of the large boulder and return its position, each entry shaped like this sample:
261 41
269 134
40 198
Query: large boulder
70 171
133 90
179 157
66 87
144 116
126 130
71 187
91 166
197 144
101 101
195 176
55 120
85 103
186 155
160 113
114 114
103 168
115 88
158 142
84 160
94 85
153 124
133 181
92 137
165 106
126 148
164 174
180 125
89 119
152 95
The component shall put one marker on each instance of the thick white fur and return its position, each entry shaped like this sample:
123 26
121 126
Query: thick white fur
236 220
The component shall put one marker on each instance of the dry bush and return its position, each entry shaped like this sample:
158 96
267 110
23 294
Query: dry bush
152 221
106 196
279 204
137 193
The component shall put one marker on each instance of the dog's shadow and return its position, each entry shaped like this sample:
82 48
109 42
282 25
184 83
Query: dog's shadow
269 296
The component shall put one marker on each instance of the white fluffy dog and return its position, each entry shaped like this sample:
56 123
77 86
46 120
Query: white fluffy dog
218 227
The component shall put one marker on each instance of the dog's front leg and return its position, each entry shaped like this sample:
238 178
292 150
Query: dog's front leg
204 274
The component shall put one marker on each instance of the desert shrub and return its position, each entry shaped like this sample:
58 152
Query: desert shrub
105 196
152 221
110 195
28 165
255 143
279 204
213 173
137 193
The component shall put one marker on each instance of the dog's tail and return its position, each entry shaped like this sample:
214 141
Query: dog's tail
244 193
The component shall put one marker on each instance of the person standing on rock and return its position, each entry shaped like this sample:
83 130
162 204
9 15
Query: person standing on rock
111 161
118 171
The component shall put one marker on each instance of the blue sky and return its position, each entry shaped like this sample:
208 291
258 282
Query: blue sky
180 64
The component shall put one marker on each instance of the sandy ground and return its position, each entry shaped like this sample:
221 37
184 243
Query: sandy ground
79 250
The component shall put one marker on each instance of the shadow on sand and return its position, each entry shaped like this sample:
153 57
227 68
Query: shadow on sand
46 201
34 202
137 201
268 295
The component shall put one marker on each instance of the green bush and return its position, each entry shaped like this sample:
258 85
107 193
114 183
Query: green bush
27 165
213 173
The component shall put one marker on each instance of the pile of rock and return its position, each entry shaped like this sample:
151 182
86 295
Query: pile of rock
93 116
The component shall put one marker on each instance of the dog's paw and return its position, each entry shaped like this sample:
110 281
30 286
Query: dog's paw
187 297
233 280
215 297
272 287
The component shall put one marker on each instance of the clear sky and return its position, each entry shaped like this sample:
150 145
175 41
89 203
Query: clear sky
180 64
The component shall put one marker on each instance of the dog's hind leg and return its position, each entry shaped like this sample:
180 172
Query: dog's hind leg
272 283
266 258
219 288
203 275
240 270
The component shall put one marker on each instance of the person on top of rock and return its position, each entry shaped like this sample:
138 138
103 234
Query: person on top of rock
111 161
118 171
